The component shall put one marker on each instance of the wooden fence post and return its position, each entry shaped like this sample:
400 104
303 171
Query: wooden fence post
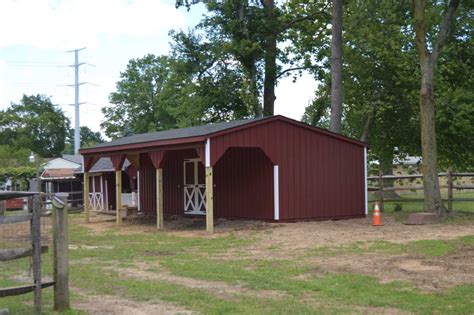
450 189
381 205
3 207
36 244
60 253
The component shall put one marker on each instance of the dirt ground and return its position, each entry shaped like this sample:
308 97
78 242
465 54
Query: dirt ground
284 240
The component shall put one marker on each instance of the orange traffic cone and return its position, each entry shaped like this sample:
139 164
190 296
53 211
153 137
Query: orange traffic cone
377 217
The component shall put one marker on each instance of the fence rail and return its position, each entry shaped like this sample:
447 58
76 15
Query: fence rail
380 187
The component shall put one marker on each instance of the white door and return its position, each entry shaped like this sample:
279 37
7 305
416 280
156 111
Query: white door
194 188
96 196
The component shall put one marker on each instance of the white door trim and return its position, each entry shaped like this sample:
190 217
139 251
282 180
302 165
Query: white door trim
276 193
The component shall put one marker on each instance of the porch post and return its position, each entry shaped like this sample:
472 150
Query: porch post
209 187
209 201
159 198
85 198
118 192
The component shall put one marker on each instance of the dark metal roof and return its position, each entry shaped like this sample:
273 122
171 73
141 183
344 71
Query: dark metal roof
177 133
104 164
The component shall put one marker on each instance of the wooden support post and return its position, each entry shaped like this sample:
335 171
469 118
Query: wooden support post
86 198
118 193
60 254
381 205
36 244
159 198
450 189
209 201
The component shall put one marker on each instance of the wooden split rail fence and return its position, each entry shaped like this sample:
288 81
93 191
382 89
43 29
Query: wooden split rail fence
450 186
60 251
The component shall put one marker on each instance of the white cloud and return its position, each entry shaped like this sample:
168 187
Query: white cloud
72 23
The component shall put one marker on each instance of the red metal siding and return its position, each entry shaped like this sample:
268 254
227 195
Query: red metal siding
321 177
147 185
109 185
243 179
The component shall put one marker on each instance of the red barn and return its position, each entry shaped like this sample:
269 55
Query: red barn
272 168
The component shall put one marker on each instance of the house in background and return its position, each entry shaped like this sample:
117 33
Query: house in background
64 174
59 176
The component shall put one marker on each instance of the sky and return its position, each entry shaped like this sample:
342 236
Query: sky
37 35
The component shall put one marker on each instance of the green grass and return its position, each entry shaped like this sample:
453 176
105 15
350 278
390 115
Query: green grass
424 248
463 211
301 291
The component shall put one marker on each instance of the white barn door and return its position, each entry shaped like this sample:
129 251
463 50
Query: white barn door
194 188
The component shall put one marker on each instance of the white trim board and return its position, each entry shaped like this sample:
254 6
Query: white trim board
276 194
365 183
208 152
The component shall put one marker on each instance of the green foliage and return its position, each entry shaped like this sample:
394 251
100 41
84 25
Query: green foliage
381 82
20 174
88 139
35 123
198 85
11 156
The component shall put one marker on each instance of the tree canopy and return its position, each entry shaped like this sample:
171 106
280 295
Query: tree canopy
35 124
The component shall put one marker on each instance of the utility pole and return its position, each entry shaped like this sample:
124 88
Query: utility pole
77 125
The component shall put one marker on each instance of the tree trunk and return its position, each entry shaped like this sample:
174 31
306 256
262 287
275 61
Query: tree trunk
433 201
270 59
368 124
255 104
250 67
336 67
432 194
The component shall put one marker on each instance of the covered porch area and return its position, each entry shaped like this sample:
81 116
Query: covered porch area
204 179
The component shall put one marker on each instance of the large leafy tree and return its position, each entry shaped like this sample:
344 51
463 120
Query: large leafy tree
382 88
199 84
254 32
35 123
136 106
336 67
378 80
430 39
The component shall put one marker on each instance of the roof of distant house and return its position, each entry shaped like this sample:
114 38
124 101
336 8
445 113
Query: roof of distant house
75 158
104 164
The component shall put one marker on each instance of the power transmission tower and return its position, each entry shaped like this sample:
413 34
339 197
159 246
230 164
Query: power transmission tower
77 125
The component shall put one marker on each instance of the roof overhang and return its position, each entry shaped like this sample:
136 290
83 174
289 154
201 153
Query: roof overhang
58 173
145 146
